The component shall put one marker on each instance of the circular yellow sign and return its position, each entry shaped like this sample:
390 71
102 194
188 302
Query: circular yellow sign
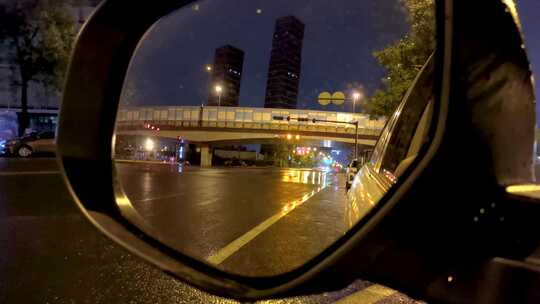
325 98
338 98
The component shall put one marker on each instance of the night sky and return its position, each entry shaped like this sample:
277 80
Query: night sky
340 37
529 11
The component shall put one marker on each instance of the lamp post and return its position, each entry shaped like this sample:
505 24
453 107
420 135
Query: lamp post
218 89
356 140
208 68
355 96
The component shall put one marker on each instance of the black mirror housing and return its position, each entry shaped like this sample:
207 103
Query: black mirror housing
416 256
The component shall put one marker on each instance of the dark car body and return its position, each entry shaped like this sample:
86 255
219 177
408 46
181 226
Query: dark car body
34 143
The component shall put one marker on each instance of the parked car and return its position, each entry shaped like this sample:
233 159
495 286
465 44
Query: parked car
235 163
28 145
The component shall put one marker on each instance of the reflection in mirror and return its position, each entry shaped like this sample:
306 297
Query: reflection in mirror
250 135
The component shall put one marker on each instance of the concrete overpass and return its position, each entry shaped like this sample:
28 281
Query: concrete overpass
237 125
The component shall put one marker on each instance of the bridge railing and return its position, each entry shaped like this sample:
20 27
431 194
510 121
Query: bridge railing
249 118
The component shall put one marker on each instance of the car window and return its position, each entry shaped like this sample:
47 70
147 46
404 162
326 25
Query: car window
407 124
384 137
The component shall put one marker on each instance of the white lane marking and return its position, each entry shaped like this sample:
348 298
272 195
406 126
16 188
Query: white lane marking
369 295
10 173
235 245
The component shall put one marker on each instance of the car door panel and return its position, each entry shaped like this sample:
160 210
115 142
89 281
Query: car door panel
367 189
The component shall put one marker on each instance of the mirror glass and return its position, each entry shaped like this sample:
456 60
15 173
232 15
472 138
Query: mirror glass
253 134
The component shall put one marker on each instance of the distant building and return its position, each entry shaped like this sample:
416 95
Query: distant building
285 60
227 75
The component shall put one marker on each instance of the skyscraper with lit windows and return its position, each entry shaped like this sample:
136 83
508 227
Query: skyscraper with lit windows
285 61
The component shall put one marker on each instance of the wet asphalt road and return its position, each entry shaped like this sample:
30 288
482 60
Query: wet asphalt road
51 254
201 211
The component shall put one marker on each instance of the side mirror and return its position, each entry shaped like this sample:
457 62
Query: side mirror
445 229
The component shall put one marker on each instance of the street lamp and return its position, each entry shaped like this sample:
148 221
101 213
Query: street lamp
218 89
149 145
355 96
208 68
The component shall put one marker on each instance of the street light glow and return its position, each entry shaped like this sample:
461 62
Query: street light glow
218 89
356 95
208 67
289 136
149 145
297 137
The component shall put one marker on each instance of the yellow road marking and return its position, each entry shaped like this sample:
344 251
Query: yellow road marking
369 295
235 245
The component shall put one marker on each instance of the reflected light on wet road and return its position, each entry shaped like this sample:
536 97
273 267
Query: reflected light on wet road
308 177
224 253
290 206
